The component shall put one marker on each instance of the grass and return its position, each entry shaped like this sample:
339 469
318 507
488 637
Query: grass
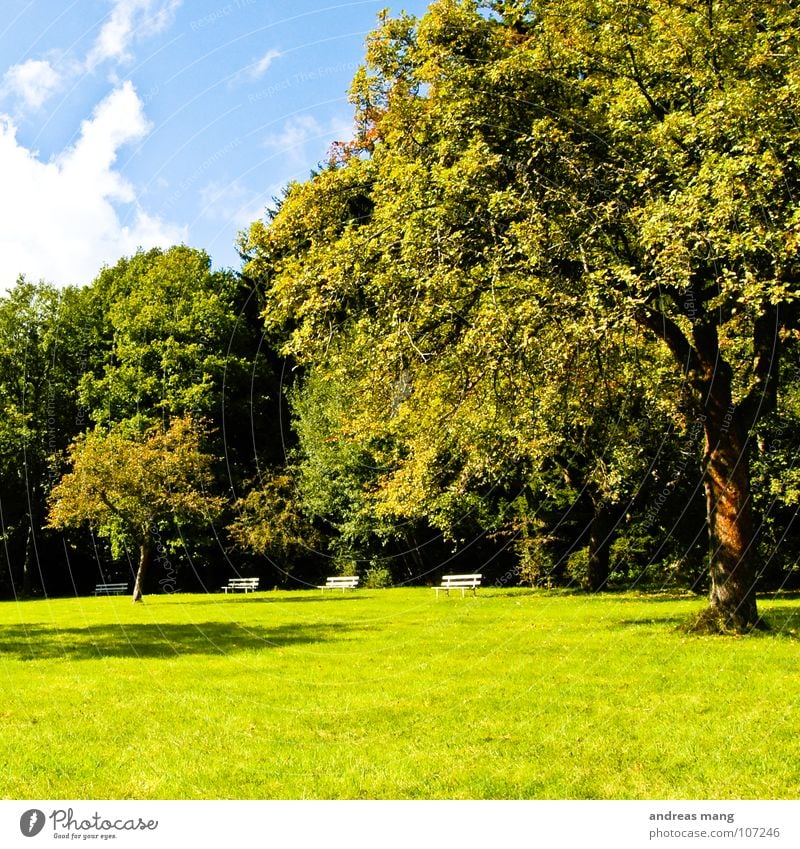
391 694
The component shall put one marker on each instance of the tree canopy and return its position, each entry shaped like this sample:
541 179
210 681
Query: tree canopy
128 487
543 195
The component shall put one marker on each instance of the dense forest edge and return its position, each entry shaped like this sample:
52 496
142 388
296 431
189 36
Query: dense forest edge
537 319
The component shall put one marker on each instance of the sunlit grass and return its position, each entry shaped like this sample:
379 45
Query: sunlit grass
377 694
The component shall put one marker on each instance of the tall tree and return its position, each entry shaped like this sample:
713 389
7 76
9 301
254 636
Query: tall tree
184 339
48 340
527 166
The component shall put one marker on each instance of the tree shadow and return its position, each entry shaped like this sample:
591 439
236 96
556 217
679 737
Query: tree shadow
676 620
781 623
139 640
625 596
256 598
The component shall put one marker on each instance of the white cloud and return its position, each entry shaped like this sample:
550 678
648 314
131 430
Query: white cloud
129 19
231 203
299 132
58 219
259 68
32 82
295 133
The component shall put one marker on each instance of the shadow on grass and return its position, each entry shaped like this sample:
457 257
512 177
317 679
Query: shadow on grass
254 598
780 595
621 595
625 596
37 642
781 623
675 620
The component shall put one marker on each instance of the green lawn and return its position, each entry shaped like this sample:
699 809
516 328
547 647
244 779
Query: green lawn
391 694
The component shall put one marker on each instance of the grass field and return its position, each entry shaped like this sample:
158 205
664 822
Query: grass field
391 694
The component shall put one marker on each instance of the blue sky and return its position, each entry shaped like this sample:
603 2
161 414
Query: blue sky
127 123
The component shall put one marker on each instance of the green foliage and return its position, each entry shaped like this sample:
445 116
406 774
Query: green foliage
534 550
377 577
180 339
578 566
171 325
271 520
49 338
336 467
775 468
562 229
129 486
554 271
344 562
157 336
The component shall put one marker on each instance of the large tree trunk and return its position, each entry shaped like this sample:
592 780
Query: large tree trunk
730 527
726 467
145 556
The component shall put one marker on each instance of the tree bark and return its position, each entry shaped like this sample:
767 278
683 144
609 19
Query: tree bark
726 466
732 597
145 556
726 480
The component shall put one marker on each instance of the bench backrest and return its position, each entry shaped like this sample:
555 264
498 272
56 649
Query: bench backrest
342 581
243 582
461 580
110 588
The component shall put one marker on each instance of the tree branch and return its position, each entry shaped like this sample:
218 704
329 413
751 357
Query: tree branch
665 329
763 395
655 107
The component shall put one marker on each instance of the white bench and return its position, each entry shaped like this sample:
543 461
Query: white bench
340 582
247 585
459 582
111 589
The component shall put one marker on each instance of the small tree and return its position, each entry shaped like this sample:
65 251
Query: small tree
125 485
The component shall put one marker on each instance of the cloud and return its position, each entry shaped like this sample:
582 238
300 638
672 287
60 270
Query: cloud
259 68
129 19
300 131
294 135
231 203
59 219
31 82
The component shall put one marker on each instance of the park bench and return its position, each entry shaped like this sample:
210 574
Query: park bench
459 582
340 582
111 589
247 585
